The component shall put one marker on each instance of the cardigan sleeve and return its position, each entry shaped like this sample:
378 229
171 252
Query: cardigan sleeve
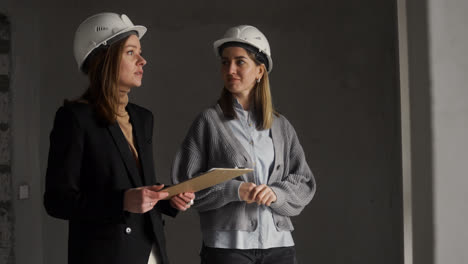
63 197
297 187
192 159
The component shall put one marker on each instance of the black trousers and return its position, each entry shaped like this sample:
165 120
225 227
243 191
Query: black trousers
280 255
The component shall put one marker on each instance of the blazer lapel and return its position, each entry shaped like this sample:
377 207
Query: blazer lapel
139 140
125 153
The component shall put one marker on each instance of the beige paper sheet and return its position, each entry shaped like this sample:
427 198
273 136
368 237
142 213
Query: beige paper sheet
205 180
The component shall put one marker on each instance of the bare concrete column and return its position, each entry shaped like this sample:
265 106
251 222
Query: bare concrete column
6 193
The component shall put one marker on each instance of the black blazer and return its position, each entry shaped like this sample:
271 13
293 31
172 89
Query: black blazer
90 166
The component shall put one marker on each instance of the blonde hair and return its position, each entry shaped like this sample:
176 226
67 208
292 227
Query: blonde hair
263 103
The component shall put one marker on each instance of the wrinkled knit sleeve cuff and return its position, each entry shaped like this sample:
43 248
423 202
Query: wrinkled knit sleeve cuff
232 190
279 197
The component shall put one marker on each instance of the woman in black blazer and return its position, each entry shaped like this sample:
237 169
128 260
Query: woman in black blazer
100 174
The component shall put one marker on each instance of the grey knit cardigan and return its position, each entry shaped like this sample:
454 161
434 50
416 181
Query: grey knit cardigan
210 143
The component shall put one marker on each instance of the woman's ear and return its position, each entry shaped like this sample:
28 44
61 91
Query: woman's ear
261 71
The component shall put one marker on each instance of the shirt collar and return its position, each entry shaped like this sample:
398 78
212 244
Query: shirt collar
241 113
236 104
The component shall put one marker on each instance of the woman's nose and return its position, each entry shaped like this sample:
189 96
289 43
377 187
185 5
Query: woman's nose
232 68
141 61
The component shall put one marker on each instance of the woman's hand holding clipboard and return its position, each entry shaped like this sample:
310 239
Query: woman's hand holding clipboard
205 180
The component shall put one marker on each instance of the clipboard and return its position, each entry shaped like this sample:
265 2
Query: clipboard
205 180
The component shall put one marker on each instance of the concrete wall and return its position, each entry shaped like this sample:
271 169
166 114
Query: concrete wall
437 59
448 60
25 127
335 78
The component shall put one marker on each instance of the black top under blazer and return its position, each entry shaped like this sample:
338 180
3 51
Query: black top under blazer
89 168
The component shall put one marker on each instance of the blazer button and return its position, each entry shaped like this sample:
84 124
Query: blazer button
128 230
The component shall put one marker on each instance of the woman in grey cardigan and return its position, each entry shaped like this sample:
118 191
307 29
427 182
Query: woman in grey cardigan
247 219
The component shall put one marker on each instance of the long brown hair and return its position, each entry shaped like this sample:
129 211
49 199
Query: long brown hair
262 101
103 70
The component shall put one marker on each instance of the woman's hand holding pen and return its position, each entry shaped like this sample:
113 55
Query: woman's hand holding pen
261 194
142 199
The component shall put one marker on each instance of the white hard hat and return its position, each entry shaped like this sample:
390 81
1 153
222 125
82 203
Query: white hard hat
249 35
97 30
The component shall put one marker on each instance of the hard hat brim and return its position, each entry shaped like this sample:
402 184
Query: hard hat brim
218 43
